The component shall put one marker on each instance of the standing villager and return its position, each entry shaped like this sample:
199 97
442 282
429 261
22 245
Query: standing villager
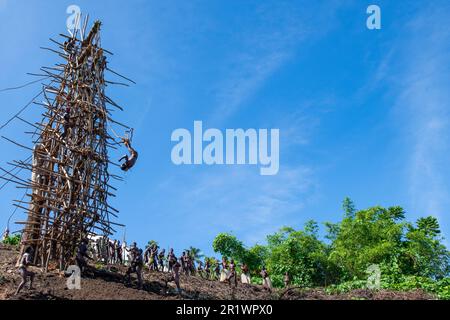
287 280
129 253
217 270
161 257
82 254
147 255
245 276
124 250
175 275
224 272
155 257
105 249
207 268
25 261
231 276
183 262
98 248
267 284
190 263
112 251
119 252
171 259
137 263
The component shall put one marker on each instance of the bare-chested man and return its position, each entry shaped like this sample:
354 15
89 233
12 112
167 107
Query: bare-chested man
224 272
82 253
224 263
25 261
136 266
154 253
183 261
207 268
287 280
175 276
161 258
171 259
190 267
112 251
119 252
245 276
267 284
129 160
217 270
231 276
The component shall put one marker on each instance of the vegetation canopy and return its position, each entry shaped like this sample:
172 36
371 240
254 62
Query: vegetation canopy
409 255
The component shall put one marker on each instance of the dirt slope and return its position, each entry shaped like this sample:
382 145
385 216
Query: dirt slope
108 284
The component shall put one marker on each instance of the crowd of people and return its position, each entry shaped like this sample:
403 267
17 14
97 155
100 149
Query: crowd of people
156 259
114 253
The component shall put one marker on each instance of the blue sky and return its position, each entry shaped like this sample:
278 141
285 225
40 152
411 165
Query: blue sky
362 113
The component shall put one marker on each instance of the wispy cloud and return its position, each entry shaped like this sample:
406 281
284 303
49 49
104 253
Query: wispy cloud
424 101
263 50
239 200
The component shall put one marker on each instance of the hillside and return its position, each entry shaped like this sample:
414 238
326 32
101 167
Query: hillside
103 284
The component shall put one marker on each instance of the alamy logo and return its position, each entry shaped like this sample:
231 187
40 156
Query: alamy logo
374 20
374 277
237 146
73 21
74 280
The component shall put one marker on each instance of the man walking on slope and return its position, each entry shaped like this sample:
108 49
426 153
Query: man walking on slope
175 276
82 254
25 261
136 266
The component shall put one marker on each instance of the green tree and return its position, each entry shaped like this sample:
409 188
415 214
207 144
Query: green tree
255 257
410 255
424 254
371 236
195 254
151 243
349 207
229 246
298 252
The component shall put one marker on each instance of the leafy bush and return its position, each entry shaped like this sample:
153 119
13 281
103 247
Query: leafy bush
440 288
346 286
443 289
256 280
410 255
12 240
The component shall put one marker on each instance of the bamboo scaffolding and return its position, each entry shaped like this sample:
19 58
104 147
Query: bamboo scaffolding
69 169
